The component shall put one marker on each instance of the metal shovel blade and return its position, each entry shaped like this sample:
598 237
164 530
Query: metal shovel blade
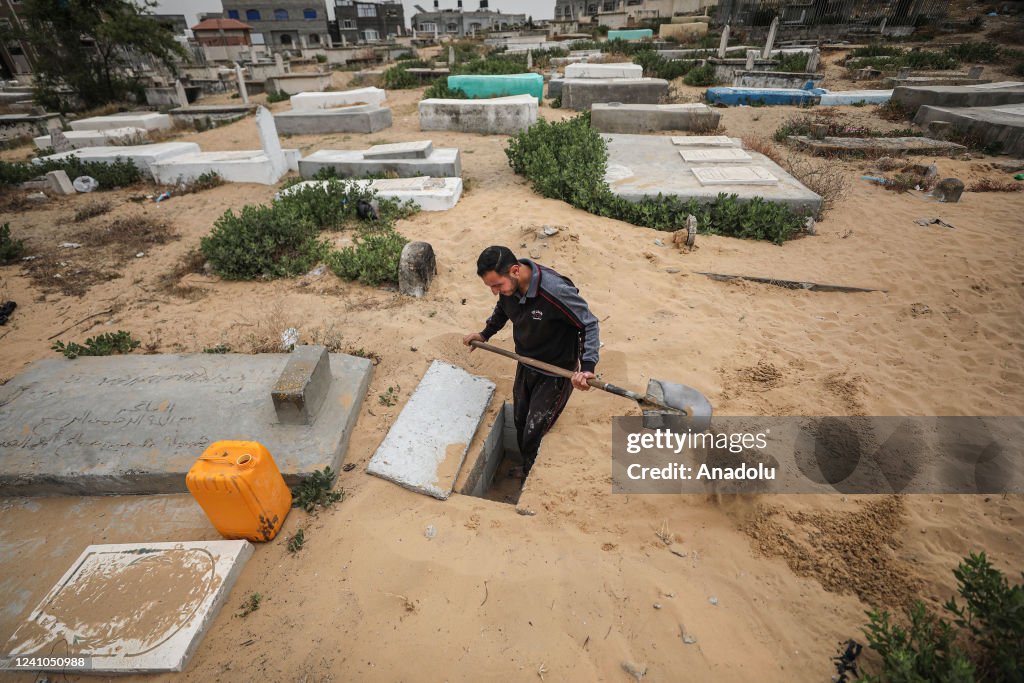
689 410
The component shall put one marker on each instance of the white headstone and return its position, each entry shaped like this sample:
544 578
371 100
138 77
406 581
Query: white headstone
435 33
812 61
179 90
451 56
704 141
302 41
414 33
724 43
240 77
60 183
344 43
881 27
529 60
269 141
751 58
771 39
735 175
279 62
60 142
714 154
330 41
252 54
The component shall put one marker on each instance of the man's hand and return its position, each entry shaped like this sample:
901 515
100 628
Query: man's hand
475 336
579 380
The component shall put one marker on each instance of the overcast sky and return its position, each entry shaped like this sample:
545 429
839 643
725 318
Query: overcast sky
539 9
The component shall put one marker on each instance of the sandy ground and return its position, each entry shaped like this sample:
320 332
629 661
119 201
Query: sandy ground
571 592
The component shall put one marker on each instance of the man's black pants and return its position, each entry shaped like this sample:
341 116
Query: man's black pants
538 400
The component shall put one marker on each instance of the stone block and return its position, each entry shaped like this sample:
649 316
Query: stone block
496 116
987 95
618 70
846 97
443 162
735 175
302 387
420 149
60 183
612 117
416 269
429 194
306 101
252 166
368 118
76 139
772 79
714 154
133 607
146 120
581 93
705 141
425 447
682 32
948 190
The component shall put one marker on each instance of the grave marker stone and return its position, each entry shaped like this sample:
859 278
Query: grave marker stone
723 44
704 141
419 149
771 39
241 83
751 58
269 141
735 175
179 91
714 154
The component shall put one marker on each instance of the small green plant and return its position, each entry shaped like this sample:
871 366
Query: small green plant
120 173
373 258
250 604
389 397
397 78
297 540
10 248
439 89
219 348
970 51
321 59
279 96
106 344
316 491
701 76
656 66
795 62
202 182
556 103
371 356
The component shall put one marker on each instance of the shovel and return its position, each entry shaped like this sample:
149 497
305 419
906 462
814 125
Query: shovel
666 404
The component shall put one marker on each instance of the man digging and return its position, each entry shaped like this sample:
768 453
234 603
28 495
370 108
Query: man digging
550 322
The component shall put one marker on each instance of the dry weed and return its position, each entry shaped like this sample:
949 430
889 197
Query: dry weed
989 185
821 176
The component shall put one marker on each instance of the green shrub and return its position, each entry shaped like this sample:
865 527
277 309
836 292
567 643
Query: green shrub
321 59
10 248
439 88
656 66
876 51
262 241
793 62
105 344
279 96
121 173
373 258
397 78
316 491
925 60
332 205
701 76
492 64
975 52
409 56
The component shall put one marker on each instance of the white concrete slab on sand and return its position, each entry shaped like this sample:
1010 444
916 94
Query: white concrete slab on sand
94 138
305 101
144 156
617 70
425 447
132 607
430 194
134 119
839 97
713 154
705 141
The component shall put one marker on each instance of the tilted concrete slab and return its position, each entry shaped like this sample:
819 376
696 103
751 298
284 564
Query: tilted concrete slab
581 93
418 149
617 70
644 165
1002 126
989 95
306 101
425 447
430 194
915 81
832 146
646 118
840 97
94 138
443 162
143 156
137 119
234 167
133 607
495 116
361 118
136 424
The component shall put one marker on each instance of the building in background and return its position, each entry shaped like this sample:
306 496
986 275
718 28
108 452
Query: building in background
222 32
369 21
459 22
16 57
907 13
618 13
282 24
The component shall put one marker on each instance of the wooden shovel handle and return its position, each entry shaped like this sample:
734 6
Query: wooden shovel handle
539 364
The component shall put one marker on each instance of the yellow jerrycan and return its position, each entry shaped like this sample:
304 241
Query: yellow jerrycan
240 489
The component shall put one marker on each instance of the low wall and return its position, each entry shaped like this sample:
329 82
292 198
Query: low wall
649 118
773 79
498 116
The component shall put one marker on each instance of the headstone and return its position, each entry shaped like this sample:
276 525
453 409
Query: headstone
771 39
330 41
529 60
948 190
881 27
903 73
451 56
751 58
435 33
60 182
704 141
939 130
279 62
416 269
179 90
303 42
819 130
252 54
812 61
133 607
735 175
975 71
269 141
302 386
60 142
724 43
344 43
240 77
714 154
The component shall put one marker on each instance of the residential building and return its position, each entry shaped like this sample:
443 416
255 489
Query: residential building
830 12
458 22
282 24
16 57
222 32
368 21
619 13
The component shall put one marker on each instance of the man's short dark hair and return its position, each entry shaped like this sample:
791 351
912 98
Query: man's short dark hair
497 259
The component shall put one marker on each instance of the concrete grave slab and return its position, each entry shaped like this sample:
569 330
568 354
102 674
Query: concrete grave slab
136 424
735 175
424 449
495 116
361 118
420 149
430 194
618 70
644 165
612 117
581 93
210 113
840 97
705 141
833 146
133 608
14 126
992 125
443 162
93 138
137 119
298 83
143 156
306 101
730 154
989 95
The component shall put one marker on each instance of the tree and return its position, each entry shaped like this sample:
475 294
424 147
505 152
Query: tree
91 47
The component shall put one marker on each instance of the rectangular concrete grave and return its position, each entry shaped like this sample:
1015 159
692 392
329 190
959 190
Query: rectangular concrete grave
484 86
581 93
147 120
773 79
735 175
298 83
14 126
419 149
443 162
991 125
95 138
705 141
847 97
136 424
211 113
990 95
619 70
495 116
643 118
429 194
305 101
133 607
360 118
303 385
487 474
730 154
425 447
832 146
143 156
